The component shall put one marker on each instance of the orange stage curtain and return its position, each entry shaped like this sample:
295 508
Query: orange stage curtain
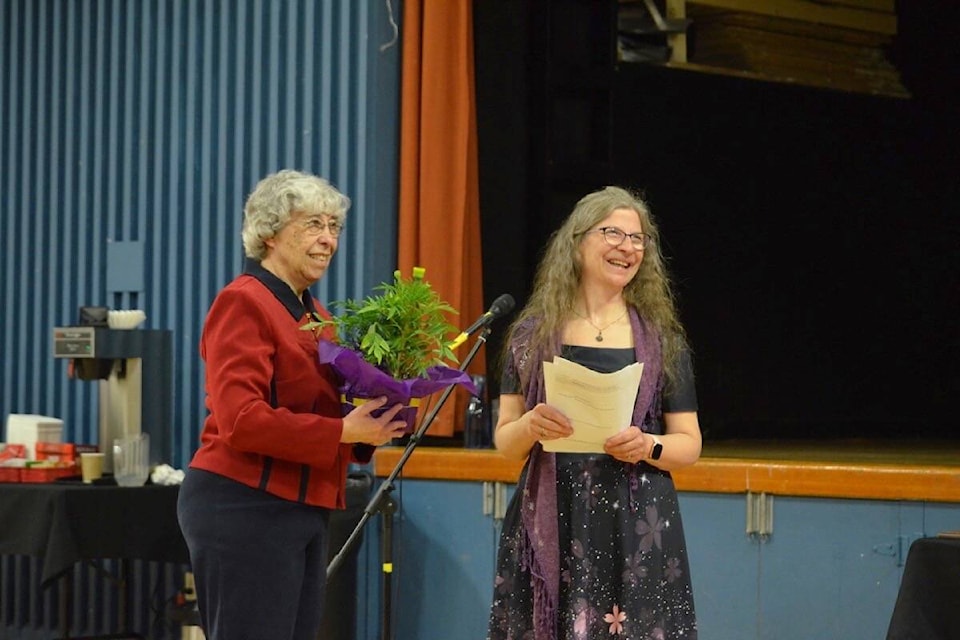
439 226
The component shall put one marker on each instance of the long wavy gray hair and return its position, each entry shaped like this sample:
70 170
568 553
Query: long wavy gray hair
558 278
277 197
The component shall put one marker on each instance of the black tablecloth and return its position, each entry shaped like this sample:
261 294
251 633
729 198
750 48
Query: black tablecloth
66 522
928 605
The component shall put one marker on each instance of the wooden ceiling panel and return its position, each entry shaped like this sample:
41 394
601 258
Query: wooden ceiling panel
840 45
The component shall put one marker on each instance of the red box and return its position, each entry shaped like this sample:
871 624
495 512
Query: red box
11 451
10 474
48 474
56 451
63 451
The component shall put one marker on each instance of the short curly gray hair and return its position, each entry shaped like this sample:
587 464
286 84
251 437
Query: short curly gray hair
279 195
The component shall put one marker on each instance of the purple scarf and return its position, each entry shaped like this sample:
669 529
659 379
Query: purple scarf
539 507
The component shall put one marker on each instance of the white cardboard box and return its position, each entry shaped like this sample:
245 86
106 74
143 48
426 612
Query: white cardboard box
29 429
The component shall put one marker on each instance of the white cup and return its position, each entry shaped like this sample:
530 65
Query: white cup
131 460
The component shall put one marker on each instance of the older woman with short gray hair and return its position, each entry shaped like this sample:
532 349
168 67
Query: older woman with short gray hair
277 197
274 451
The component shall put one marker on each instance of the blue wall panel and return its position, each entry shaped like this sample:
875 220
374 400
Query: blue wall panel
148 122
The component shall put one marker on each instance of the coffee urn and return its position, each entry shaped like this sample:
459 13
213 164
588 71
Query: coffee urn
133 369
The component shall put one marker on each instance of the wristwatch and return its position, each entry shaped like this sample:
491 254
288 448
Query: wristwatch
657 448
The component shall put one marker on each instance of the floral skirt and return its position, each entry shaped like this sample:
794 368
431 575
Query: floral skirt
624 570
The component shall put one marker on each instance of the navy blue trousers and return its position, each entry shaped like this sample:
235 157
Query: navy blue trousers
259 561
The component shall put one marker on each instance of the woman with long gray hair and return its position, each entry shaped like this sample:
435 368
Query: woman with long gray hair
592 543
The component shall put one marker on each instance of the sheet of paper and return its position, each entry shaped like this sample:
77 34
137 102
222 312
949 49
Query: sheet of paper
598 404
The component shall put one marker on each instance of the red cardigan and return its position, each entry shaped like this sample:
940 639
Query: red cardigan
274 419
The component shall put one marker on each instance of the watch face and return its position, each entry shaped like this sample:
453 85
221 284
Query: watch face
657 450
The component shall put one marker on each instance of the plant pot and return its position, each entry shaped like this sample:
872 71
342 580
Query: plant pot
408 413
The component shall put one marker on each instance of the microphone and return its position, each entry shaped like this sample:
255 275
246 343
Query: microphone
501 306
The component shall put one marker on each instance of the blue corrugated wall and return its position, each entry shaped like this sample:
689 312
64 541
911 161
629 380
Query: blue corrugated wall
146 122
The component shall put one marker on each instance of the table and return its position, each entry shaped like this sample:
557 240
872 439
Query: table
68 522
927 604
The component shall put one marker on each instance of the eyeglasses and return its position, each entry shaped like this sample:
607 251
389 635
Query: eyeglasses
316 226
615 237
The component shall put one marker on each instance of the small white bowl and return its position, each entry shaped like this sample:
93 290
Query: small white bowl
125 319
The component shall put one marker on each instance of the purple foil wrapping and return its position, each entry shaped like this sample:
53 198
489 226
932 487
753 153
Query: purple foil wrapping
364 381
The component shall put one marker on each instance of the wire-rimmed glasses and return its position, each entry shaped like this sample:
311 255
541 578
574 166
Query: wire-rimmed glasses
316 225
615 236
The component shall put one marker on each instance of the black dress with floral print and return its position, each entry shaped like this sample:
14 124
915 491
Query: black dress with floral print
624 570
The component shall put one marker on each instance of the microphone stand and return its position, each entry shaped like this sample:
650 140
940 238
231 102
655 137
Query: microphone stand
382 502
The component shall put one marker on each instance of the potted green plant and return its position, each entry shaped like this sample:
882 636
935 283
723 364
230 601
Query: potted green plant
403 331
395 343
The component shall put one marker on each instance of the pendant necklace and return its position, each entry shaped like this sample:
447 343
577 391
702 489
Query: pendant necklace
600 330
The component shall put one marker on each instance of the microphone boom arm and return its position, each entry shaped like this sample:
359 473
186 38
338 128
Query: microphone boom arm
375 504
